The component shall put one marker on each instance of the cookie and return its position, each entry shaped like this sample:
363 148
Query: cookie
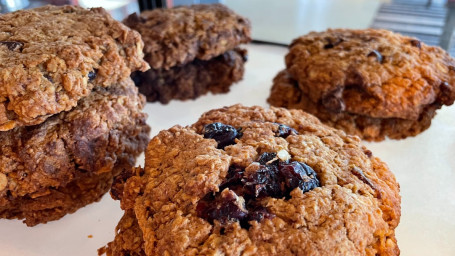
193 79
177 36
192 50
255 181
68 161
54 56
286 93
354 75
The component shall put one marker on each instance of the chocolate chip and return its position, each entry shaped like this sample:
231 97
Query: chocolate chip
416 43
12 45
377 55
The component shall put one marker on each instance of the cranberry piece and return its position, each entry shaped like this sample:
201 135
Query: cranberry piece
258 213
224 134
264 182
296 174
233 177
416 43
12 45
225 207
284 131
91 75
267 157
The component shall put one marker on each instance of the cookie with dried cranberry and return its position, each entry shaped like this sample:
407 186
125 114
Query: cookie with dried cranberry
255 181
286 93
192 50
354 75
54 168
54 56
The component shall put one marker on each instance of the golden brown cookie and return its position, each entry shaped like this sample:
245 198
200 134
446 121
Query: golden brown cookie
354 75
255 181
54 56
68 161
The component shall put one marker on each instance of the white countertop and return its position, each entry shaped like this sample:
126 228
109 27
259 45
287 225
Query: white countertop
282 21
424 166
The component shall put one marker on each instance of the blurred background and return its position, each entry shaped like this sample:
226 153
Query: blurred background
278 22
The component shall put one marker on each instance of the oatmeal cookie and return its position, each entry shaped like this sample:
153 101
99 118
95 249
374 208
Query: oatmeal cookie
54 56
255 181
374 74
192 79
286 93
177 36
54 168
192 50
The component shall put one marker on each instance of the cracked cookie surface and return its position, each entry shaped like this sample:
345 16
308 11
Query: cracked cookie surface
59 166
54 56
353 209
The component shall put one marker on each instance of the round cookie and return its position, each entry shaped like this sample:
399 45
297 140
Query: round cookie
69 161
255 181
178 35
370 74
54 56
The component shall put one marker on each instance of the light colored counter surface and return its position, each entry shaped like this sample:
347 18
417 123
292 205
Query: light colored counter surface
282 21
424 166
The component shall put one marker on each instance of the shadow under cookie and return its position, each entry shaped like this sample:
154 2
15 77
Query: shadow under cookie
193 79
286 93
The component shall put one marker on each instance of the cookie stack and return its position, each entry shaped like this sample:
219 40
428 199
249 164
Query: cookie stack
370 83
70 116
192 50
255 181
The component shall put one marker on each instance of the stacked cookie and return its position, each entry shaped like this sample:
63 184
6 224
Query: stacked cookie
192 50
254 181
70 116
370 83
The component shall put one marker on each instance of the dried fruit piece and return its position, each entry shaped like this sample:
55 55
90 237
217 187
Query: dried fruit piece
296 174
225 207
284 131
223 134
416 43
267 157
13 45
91 75
263 182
